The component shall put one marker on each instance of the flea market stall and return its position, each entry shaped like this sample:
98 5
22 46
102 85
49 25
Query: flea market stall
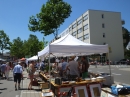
70 46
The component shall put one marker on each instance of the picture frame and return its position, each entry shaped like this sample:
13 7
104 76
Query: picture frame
81 91
104 94
95 90
110 95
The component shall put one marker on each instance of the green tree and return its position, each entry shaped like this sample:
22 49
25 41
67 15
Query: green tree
29 47
51 16
17 48
26 48
126 38
34 45
4 41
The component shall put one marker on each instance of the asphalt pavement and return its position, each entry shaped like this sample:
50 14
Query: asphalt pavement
121 73
7 88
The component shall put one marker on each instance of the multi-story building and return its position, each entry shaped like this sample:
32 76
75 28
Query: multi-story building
99 27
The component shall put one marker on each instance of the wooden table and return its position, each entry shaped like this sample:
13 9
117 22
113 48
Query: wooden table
66 87
44 77
76 83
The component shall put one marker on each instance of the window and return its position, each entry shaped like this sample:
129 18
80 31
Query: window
86 36
79 22
70 28
85 17
103 35
74 25
103 25
74 33
81 38
79 30
102 16
85 27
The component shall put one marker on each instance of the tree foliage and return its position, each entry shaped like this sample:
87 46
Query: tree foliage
34 45
126 38
17 48
51 16
21 48
4 41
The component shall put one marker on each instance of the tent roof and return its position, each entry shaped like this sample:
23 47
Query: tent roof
69 40
69 45
33 58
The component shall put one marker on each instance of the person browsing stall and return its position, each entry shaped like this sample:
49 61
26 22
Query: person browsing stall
64 65
17 72
73 67
85 66
31 71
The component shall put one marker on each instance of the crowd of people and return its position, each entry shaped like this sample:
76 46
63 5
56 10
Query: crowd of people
17 69
71 68
5 68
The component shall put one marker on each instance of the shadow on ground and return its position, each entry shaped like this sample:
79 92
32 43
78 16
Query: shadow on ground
10 80
3 89
27 89
23 89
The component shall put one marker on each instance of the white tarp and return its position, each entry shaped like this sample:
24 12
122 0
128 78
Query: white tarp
72 46
33 58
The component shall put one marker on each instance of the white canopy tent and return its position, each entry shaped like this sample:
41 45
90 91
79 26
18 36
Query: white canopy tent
69 45
33 58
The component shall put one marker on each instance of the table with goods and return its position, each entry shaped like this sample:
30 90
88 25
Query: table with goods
62 87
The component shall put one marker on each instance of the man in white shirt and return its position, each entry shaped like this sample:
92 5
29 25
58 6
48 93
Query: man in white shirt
17 72
73 67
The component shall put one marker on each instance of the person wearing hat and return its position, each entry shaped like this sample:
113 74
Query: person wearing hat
17 72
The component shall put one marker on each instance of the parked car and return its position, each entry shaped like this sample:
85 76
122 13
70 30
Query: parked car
123 61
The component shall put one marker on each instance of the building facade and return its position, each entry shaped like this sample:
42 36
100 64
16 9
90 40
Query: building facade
99 27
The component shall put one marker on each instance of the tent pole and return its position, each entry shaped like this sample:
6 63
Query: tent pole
109 64
49 71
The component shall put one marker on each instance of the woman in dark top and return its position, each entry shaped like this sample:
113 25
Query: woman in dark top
85 66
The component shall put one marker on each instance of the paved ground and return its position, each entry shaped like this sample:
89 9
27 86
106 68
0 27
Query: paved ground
7 88
121 73
29 93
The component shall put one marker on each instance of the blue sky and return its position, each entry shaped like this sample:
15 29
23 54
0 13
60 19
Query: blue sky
14 14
